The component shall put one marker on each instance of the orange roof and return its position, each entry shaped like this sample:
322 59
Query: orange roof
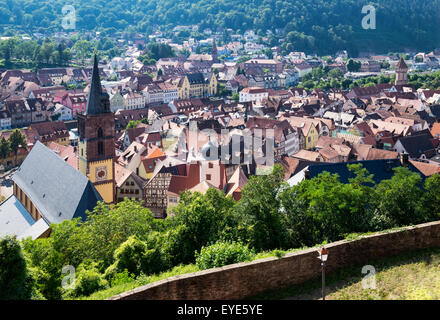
427 169
435 131
156 153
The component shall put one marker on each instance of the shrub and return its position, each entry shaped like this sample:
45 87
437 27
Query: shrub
111 272
130 255
15 282
135 257
223 253
122 277
279 253
88 281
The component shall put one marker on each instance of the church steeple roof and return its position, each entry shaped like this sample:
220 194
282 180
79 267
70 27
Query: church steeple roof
96 103
214 53
401 65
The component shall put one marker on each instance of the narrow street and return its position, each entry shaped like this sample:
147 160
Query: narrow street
6 183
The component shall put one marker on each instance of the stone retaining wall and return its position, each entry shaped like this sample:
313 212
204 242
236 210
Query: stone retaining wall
248 279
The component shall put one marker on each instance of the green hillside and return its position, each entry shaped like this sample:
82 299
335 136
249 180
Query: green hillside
319 26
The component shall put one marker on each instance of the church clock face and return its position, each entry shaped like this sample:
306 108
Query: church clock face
101 173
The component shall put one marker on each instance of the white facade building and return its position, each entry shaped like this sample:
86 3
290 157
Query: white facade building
254 94
64 112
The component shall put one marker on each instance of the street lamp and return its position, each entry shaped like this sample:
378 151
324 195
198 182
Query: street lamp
323 254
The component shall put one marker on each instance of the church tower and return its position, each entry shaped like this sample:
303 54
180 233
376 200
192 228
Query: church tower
401 73
96 149
214 53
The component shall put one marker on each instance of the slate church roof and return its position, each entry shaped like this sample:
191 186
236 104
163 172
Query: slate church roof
57 190
15 220
381 170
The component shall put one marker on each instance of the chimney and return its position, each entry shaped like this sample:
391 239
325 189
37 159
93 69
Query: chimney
404 159
306 174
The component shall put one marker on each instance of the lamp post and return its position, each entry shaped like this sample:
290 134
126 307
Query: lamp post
323 254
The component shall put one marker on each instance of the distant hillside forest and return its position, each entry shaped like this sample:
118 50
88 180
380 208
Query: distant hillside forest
313 26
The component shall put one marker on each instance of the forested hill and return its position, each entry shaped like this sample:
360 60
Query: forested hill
320 26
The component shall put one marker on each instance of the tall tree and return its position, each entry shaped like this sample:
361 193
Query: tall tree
5 148
261 221
17 140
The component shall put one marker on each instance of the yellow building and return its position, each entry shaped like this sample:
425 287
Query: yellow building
311 135
196 86
308 128
148 164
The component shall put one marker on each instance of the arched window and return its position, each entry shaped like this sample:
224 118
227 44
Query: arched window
100 133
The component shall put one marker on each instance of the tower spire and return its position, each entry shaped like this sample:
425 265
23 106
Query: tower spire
214 53
96 102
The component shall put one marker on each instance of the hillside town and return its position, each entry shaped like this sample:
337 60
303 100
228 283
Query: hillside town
150 138
216 151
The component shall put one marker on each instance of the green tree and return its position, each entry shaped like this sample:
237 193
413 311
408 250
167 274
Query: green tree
157 51
262 224
134 256
431 198
47 51
353 66
336 73
17 140
15 281
45 265
199 220
82 49
88 280
185 52
5 148
105 229
244 59
132 124
324 209
398 199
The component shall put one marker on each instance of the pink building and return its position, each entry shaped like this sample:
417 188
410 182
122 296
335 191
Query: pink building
75 101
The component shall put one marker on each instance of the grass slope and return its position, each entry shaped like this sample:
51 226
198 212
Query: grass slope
410 276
